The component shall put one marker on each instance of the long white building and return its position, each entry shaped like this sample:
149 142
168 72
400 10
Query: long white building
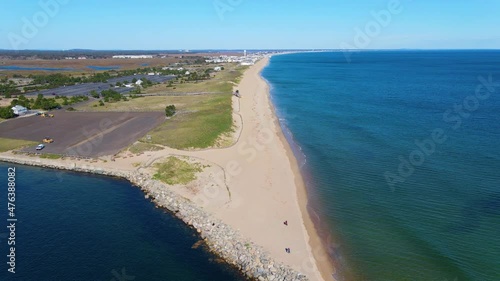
133 57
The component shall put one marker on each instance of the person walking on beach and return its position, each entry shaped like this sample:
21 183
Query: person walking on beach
285 223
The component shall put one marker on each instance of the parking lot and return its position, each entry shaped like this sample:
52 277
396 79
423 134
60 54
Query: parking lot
85 89
83 134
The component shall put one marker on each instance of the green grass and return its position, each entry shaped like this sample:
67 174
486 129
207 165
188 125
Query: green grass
199 125
50 156
141 147
176 171
10 144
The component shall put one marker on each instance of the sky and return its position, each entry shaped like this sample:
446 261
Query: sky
249 24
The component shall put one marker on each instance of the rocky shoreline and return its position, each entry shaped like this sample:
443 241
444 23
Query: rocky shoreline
221 239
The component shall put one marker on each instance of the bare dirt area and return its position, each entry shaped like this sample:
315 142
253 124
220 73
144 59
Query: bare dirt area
83 134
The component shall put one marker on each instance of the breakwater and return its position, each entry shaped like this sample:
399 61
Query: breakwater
221 239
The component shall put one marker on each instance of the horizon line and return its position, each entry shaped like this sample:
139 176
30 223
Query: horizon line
266 49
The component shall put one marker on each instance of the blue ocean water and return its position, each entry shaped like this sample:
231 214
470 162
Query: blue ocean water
74 227
402 158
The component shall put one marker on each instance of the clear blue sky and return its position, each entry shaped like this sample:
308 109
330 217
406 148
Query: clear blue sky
247 24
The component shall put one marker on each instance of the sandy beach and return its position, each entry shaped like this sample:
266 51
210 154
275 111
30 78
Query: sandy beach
254 185
266 186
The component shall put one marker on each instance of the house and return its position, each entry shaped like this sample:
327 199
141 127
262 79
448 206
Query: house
19 110
187 73
217 68
138 82
129 85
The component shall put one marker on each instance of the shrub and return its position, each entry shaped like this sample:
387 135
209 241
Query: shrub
6 113
94 94
170 110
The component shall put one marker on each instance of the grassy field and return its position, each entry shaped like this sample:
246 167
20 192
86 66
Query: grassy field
197 125
141 147
9 144
176 171
200 119
50 156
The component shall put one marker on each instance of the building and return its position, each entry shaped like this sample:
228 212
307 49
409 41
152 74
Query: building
217 68
138 82
19 110
133 57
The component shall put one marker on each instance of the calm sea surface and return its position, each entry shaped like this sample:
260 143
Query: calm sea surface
74 227
402 158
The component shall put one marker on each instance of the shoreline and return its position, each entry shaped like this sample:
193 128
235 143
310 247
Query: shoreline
261 187
323 260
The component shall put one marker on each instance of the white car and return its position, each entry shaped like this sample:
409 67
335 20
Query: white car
40 146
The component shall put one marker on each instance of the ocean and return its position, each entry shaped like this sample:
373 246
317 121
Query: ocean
400 153
82 227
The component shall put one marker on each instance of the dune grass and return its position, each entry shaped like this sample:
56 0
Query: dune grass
50 156
10 144
176 171
141 147
198 125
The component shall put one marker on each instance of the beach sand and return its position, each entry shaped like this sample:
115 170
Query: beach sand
254 185
266 186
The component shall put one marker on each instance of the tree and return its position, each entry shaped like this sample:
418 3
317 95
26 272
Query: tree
94 94
6 113
170 110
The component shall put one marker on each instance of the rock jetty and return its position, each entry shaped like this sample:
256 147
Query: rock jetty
221 239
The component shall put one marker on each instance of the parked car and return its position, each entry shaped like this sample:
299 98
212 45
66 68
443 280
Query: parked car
40 146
